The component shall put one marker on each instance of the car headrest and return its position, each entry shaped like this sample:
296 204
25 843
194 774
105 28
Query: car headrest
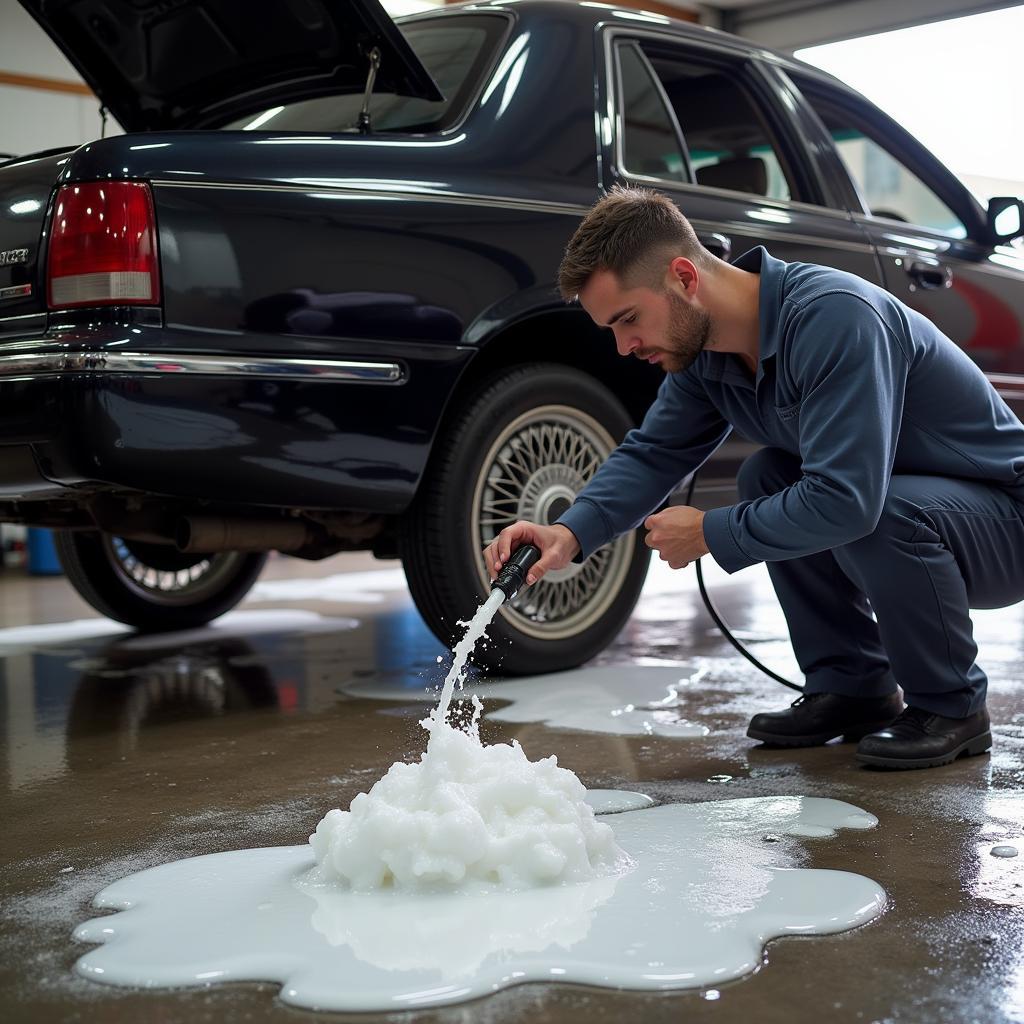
741 174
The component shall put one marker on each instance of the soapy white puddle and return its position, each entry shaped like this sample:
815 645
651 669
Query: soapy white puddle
371 587
243 623
612 801
703 895
375 586
622 699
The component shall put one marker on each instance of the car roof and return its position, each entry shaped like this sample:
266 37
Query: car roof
592 13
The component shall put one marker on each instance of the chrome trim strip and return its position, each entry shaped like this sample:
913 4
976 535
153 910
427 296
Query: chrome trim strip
368 190
40 364
763 232
1008 385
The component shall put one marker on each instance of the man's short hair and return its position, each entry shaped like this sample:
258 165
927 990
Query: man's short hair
633 232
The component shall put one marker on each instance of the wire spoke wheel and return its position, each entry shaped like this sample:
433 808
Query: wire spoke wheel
154 586
533 470
521 445
169 577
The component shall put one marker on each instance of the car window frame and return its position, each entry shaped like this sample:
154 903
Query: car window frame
901 146
619 130
837 191
763 90
473 98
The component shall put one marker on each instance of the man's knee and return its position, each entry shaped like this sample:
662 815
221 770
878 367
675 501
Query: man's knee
897 526
767 471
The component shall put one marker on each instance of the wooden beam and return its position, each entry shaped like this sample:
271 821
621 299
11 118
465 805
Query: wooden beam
45 84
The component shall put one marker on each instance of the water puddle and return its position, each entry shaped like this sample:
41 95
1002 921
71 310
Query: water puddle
45 636
703 894
625 700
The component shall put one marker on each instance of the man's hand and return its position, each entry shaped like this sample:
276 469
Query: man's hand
677 534
558 546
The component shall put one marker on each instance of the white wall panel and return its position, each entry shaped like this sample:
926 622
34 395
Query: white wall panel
791 24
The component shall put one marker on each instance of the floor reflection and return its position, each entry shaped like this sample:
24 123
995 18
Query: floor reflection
64 684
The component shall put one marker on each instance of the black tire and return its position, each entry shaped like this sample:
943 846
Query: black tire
549 427
151 586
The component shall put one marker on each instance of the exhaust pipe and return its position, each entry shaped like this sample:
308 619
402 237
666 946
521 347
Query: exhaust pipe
206 535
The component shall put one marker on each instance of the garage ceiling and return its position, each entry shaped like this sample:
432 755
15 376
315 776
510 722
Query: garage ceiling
791 24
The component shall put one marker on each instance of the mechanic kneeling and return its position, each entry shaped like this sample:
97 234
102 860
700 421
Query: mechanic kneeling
892 480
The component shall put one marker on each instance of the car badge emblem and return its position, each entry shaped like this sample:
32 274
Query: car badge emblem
10 257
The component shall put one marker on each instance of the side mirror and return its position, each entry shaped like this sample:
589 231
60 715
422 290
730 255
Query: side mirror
1005 218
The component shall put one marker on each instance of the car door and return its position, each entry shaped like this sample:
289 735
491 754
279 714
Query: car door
931 236
701 123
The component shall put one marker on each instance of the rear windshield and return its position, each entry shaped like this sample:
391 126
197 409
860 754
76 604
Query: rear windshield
456 50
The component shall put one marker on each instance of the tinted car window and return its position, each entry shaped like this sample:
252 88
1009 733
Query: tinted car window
650 141
455 50
887 186
728 140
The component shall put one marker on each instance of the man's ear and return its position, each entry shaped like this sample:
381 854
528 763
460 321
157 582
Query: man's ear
682 271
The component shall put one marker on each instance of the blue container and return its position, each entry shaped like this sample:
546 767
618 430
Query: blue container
42 556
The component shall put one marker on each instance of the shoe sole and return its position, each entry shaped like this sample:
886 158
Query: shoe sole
969 748
850 735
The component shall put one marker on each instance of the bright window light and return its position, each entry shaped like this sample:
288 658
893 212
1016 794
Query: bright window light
263 118
955 85
396 8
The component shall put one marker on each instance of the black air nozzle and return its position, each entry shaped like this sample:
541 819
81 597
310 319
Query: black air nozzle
513 572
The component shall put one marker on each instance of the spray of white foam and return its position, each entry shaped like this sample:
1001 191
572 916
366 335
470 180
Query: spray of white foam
474 631
466 812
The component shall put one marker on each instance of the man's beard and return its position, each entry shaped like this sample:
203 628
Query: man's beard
688 333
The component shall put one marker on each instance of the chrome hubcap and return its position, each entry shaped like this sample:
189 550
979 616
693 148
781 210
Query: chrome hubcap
172 587
533 471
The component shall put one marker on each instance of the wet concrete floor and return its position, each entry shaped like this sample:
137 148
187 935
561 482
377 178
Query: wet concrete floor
122 752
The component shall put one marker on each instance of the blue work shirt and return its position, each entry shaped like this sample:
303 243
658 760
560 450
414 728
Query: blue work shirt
857 384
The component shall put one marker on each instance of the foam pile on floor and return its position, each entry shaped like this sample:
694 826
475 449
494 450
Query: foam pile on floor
463 812
466 812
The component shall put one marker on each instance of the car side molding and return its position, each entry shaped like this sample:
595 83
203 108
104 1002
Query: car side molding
44 364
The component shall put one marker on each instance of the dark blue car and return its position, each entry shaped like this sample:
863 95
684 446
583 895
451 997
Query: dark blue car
307 303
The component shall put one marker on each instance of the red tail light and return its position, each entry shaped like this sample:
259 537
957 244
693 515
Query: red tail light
103 246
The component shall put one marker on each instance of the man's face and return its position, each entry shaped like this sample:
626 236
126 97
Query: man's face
659 327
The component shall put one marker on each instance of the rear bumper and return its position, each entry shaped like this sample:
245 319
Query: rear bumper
295 431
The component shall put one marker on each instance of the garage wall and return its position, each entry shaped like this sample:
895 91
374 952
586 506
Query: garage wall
44 102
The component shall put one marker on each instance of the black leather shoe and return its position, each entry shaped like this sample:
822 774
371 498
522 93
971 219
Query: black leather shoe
920 739
816 718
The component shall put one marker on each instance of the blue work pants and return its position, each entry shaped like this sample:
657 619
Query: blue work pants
942 546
